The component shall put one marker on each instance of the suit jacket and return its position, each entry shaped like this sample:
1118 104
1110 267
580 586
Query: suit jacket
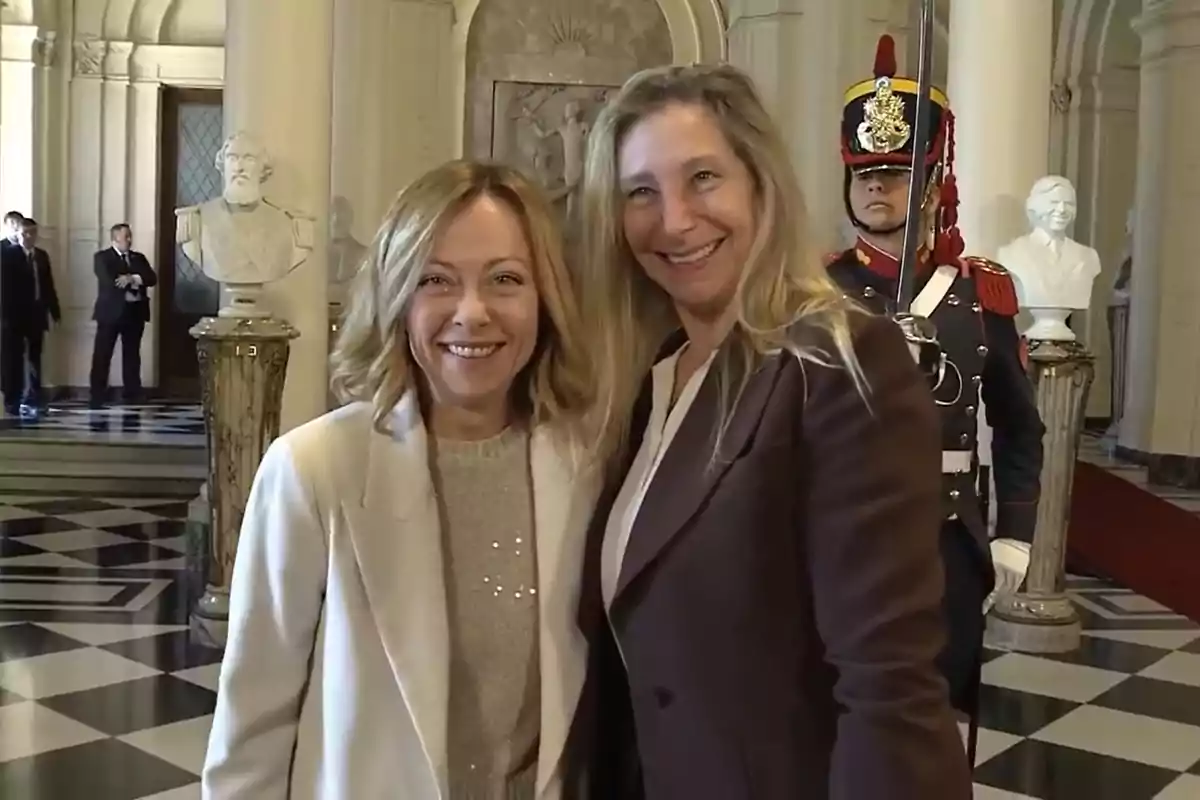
111 304
778 612
339 581
18 290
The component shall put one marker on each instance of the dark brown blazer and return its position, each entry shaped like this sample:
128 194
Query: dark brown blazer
779 613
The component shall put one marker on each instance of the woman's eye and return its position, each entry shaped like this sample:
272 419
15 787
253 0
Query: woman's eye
510 279
638 192
431 280
706 175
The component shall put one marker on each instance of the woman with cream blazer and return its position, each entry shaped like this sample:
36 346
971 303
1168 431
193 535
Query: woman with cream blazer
403 605
351 511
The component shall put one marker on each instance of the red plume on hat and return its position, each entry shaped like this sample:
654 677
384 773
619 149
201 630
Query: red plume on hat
885 57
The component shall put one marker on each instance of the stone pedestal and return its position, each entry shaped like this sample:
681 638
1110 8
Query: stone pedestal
243 363
1042 619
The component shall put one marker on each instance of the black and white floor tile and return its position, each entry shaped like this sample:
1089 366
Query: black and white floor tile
127 422
103 696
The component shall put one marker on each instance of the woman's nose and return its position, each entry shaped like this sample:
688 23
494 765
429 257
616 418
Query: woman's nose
677 213
471 308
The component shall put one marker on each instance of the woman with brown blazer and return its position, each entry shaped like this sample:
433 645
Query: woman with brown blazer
762 586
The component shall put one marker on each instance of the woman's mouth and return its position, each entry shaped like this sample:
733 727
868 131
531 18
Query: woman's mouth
691 258
471 351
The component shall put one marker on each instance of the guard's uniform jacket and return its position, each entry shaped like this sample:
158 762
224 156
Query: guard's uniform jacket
973 305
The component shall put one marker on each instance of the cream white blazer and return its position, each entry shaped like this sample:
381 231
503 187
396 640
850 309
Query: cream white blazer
334 684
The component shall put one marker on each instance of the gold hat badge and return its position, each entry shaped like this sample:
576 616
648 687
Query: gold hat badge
884 129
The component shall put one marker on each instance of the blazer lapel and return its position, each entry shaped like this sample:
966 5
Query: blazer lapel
563 496
688 472
396 535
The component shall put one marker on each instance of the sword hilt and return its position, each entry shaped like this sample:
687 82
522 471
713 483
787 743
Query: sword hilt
921 336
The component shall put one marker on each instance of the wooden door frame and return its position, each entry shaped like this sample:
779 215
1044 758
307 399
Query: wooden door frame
171 98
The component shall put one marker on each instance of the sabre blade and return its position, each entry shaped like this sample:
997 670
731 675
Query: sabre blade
913 226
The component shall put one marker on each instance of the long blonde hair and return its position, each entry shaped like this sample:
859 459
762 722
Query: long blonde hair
372 361
784 281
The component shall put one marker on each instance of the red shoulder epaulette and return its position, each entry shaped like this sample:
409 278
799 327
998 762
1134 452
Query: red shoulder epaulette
993 285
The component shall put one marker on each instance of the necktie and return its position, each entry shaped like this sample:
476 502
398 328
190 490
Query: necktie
30 255
131 292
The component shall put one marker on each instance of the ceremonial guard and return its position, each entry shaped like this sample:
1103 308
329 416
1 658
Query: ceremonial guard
972 303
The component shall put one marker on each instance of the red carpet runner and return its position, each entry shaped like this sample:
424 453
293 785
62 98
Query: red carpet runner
1140 541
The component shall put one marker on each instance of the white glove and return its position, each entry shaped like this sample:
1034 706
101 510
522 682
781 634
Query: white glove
1011 560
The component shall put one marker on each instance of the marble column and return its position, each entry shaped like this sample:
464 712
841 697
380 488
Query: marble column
393 100
278 76
1162 418
802 55
1001 104
778 42
17 141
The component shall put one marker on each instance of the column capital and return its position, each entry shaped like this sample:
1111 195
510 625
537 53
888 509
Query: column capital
1167 26
116 65
45 49
101 58
89 56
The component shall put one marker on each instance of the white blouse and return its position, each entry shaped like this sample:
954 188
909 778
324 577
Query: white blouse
664 422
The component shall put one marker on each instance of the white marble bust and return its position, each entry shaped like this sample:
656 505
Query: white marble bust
1053 273
241 237
346 253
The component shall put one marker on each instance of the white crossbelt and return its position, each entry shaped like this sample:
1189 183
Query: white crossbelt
930 297
954 461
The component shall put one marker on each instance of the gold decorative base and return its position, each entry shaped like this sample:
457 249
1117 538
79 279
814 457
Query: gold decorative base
243 364
1042 619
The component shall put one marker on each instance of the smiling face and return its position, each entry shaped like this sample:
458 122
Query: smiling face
473 320
688 207
1053 209
879 198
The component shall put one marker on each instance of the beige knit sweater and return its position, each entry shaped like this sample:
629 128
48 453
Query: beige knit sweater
486 505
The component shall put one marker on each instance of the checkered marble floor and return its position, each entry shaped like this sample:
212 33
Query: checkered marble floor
103 697
164 422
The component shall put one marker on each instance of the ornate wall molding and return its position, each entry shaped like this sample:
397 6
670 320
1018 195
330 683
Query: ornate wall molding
156 63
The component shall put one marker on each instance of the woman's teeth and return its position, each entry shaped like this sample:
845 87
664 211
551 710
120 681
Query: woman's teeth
472 351
693 256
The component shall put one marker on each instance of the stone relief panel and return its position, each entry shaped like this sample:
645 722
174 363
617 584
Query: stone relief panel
542 128
539 70
566 41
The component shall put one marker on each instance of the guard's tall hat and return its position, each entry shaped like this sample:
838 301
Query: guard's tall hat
878 121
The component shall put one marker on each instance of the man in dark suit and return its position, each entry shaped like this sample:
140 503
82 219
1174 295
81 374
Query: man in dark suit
122 311
29 302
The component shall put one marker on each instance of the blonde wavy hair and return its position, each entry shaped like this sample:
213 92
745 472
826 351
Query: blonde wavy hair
372 361
784 281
